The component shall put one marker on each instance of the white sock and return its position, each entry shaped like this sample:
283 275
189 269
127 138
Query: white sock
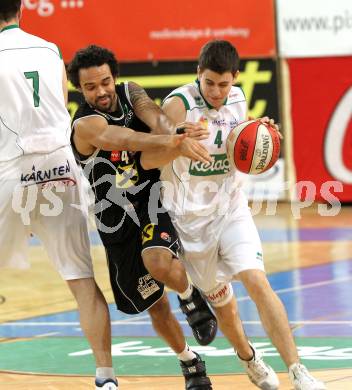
187 354
293 366
105 373
186 294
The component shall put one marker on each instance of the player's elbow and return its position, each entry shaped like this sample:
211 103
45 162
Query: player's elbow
146 163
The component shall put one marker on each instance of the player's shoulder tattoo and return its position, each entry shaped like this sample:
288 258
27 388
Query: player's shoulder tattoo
137 93
139 98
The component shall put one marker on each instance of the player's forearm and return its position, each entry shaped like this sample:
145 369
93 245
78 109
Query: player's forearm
149 142
122 138
158 122
163 124
151 160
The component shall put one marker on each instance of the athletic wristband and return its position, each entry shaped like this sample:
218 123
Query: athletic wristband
180 130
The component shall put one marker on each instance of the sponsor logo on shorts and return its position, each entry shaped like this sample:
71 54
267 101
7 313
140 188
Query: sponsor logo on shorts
165 236
259 256
148 233
56 175
147 286
219 294
219 166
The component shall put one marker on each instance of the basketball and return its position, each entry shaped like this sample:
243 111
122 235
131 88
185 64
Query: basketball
253 147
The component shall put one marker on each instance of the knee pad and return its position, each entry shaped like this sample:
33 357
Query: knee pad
220 295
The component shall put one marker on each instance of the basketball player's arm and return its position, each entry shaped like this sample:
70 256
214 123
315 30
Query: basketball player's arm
189 147
148 111
154 117
94 132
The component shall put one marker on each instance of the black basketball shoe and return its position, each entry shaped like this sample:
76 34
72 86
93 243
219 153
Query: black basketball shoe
199 317
195 374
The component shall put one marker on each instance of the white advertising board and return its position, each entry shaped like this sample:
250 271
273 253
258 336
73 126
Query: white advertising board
314 28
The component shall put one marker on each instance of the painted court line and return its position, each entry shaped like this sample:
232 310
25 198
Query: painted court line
137 321
24 324
304 286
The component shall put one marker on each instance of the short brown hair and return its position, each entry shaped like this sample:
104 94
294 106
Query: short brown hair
9 9
219 56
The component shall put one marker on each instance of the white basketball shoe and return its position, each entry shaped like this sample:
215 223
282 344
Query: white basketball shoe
108 384
302 380
259 373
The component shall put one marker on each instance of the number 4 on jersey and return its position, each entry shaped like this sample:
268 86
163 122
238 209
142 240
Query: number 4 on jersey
218 139
34 76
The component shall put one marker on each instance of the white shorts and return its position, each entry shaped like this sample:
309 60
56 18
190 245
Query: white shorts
42 194
230 245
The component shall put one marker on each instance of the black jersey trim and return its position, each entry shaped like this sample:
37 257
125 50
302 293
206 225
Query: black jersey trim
83 117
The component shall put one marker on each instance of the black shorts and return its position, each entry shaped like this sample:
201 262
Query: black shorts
134 288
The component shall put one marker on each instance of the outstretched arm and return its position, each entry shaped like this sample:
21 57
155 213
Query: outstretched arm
189 147
94 132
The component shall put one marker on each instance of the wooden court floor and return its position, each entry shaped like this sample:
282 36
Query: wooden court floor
334 379
39 291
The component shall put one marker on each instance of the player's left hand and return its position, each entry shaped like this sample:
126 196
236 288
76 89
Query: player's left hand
271 122
194 130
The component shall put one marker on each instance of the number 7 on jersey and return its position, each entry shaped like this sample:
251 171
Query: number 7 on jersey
34 76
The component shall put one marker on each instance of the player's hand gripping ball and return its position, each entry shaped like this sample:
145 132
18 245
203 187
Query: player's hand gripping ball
253 147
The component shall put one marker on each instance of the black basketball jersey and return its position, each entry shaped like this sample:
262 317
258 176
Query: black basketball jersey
120 184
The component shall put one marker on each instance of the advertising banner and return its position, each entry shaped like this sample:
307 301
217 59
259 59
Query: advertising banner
321 98
258 79
156 30
314 28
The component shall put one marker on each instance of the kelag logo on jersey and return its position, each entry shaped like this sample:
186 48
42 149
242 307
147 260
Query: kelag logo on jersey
219 166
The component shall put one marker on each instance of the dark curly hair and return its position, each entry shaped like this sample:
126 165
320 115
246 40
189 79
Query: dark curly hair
9 9
91 56
219 56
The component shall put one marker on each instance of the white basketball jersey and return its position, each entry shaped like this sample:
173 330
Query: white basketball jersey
199 189
33 116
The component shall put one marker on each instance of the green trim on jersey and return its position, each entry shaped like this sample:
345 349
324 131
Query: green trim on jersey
185 102
60 52
10 27
205 101
208 104
31 47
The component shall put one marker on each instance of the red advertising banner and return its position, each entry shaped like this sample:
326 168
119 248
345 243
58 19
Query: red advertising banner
155 30
321 97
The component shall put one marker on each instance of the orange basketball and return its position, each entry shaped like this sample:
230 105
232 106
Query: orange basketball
253 147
